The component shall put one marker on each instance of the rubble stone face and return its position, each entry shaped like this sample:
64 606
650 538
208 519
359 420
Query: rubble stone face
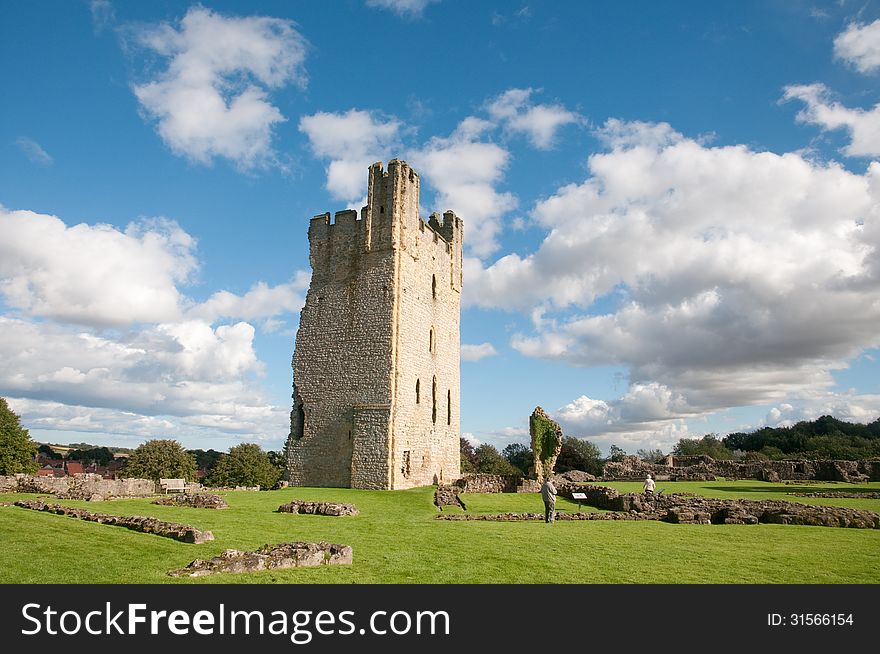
144 524
81 486
196 501
487 483
448 496
318 508
270 557
376 396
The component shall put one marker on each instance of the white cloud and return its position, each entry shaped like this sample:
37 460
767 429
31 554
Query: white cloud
93 274
352 141
212 101
859 45
465 170
477 352
103 14
728 277
261 302
539 122
33 151
863 125
405 8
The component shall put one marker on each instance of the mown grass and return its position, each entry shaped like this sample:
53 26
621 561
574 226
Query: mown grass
396 540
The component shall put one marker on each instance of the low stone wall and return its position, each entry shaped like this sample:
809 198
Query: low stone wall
705 468
859 496
197 501
318 508
485 483
270 557
83 486
448 496
144 524
560 515
684 508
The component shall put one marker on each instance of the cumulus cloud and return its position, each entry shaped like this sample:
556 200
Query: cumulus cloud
261 302
859 45
848 406
405 8
100 338
733 277
863 125
212 101
33 151
352 141
465 169
538 122
477 352
93 274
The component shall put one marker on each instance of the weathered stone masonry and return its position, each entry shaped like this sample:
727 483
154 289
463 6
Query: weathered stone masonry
376 364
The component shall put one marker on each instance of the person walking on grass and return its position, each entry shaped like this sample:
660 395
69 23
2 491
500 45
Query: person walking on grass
649 485
548 494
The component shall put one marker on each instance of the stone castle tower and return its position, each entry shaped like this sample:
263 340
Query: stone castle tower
376 366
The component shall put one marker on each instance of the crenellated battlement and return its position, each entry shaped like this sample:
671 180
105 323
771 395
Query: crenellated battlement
389 220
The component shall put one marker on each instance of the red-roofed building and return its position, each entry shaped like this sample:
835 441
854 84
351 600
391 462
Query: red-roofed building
74 468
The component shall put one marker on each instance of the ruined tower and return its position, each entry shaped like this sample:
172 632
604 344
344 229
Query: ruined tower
376 365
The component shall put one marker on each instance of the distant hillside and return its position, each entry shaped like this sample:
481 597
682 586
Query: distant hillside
64 449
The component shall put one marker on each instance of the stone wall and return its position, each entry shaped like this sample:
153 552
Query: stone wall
270 557
83 486
195 501
376 365
703 468
318 508
144 524
486 483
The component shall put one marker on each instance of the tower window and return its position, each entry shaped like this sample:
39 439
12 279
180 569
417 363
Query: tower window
417 390
431 340
434 286
449 407
434 399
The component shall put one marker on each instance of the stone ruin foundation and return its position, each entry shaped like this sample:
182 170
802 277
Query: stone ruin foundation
448 496
689 509
270 557
143 524
318 508
81 486
197 501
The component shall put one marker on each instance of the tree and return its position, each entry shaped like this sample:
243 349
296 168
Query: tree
617 453
206 459
490 461
100 455
709 445
651 456
520 456
48 452
160 459
579 454
468 455
17 450
245 465
279 460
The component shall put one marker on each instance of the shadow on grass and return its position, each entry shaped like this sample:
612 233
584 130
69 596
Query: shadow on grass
784 490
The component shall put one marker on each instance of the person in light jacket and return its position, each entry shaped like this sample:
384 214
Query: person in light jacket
548 494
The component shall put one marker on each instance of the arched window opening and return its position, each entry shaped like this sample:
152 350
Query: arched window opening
434 286
434 400
417 391
449 407
431 340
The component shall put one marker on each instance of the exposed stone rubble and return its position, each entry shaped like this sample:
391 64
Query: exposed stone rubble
144 524
196 501
448 496
270 557
860 496
81 486
487 483
318 508
560 515
576 476
705 468
683 508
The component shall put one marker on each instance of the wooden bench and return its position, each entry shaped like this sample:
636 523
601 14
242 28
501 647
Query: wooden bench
173 485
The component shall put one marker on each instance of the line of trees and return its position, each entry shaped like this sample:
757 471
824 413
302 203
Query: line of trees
518 459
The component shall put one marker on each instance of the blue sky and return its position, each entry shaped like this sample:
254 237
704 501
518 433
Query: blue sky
672 210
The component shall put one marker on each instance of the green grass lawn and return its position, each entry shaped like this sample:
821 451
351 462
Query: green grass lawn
396 540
